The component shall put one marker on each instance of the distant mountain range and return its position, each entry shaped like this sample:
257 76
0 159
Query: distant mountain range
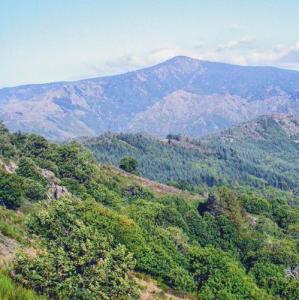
182 95
259 153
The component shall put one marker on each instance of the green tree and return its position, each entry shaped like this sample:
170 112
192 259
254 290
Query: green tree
129 164
218 276
273 278
11 193
27 168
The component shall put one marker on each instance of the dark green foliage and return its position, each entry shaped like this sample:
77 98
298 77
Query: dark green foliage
7 149
129 164
34 190
218 276
137 192
32 144
104 195
254 203
27 168
273 278
171 136
11 193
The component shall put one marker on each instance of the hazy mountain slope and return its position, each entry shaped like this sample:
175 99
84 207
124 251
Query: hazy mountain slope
180 95
263 151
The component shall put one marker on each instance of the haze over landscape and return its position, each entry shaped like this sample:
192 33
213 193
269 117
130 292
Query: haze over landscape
149 150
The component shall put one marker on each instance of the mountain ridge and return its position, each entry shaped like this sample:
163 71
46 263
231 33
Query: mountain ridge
211 95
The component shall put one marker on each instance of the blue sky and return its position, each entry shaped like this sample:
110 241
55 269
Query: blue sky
52 40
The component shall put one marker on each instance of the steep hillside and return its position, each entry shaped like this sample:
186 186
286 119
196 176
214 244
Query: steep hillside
181 95
261 152
88 231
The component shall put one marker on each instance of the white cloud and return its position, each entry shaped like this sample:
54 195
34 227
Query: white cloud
236 43
234 52
281 56
241 52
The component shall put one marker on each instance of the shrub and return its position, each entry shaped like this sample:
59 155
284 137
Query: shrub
11 193
34 190
27 168
129 164
218 276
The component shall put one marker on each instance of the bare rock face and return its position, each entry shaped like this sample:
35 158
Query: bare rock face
182 95
49 175
55 191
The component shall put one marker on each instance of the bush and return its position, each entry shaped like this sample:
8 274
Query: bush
218 276
27 168
103 195
135 192
11 193
129 164
34 190
273 278
255 204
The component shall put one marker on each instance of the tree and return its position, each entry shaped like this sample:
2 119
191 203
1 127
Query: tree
171 136
11 193
219 276
27 168
276 280
129 164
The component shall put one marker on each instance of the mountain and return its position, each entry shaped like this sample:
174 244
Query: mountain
72 228
182 95
261 152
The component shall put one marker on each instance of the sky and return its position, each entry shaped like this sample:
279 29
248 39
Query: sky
57 40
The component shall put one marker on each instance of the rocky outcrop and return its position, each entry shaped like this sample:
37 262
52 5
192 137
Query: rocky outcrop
55 191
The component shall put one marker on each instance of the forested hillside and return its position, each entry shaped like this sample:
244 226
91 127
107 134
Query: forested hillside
71 228
263 152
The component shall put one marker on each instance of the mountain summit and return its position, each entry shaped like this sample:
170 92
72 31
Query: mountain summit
181 95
